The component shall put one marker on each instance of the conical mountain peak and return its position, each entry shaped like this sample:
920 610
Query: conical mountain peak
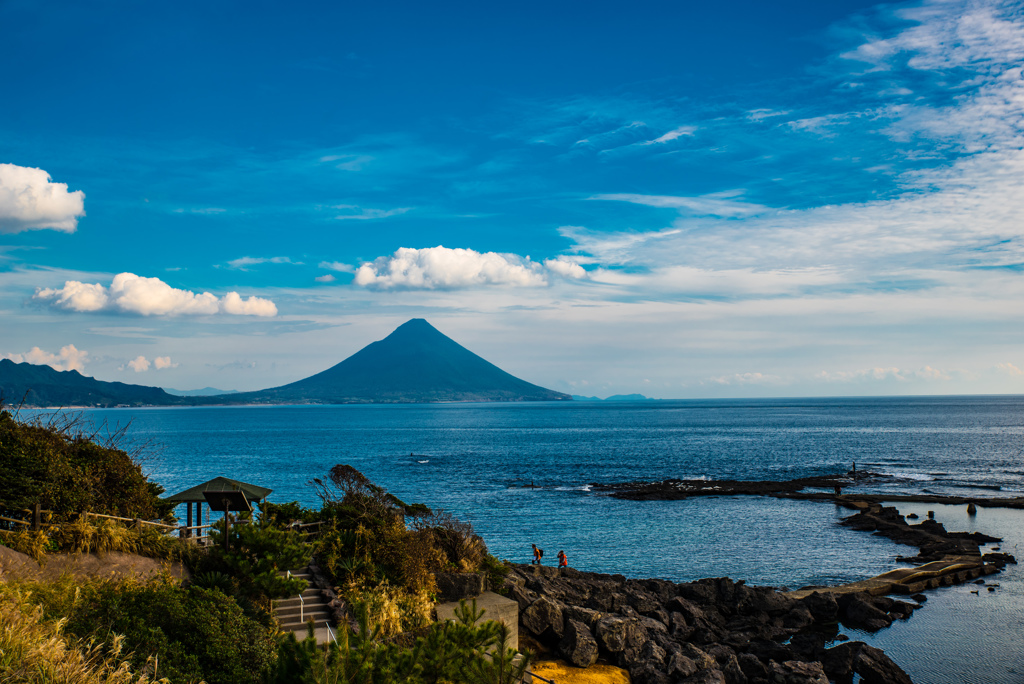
415 363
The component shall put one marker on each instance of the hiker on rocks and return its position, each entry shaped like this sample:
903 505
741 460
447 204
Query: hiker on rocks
563 560
537 554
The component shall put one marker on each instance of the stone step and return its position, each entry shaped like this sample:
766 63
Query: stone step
294 611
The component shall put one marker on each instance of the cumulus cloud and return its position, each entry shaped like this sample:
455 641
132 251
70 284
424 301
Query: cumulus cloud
565 267
69 358
132 294
441 268
139 364
30 201
162 362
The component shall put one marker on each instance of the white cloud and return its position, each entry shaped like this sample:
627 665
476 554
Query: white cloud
139 364
132 294
745 379
338 266
30 201
672 135
1009 369
442 268
326 278
565 267
883 373
242 262
162 362
718 204
69 358
351 211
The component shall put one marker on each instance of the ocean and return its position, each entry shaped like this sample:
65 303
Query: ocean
521 473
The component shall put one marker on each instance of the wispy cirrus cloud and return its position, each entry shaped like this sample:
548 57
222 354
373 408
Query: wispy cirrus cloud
242 262
356 213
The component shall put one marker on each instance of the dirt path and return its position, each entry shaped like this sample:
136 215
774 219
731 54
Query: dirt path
16 566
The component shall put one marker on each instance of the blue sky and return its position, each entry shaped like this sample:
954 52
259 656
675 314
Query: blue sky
745 199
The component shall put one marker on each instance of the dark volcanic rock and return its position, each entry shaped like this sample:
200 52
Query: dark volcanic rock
578 646
713 676
615 634
823 606
544 619
859 610
453 586
875 667
797 672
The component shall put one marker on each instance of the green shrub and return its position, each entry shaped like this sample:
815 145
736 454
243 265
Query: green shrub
467 650
191 634
67 470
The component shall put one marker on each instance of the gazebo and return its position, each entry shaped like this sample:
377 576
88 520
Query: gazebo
235 495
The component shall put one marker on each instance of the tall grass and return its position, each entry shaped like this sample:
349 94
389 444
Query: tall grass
36 651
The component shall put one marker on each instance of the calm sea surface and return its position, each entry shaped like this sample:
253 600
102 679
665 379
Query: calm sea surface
479 460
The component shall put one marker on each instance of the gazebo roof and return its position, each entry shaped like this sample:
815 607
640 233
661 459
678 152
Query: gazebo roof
219 484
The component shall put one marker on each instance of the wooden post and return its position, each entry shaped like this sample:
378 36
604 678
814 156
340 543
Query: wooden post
227 523
37 517
188 518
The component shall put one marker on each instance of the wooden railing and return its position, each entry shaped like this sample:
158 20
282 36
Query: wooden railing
35 523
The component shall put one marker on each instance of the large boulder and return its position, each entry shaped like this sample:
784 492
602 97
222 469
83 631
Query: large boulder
858 610
578 645
874 667
585 615
454 586
822 606
616 634
544 619
713 676
797 672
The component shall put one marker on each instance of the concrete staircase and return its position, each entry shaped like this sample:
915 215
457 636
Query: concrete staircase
295 612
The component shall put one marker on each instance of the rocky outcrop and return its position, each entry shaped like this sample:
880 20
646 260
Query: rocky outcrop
711 630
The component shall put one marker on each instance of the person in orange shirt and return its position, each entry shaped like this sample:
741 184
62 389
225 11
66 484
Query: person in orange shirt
563 560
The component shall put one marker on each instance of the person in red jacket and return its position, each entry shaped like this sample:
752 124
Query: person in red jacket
563 560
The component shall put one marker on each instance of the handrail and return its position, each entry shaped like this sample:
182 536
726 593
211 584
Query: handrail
144 522
302 602
330 632
15 520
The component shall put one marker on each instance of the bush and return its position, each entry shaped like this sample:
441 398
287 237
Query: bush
191 634
36 651
465 651
58 464
257 552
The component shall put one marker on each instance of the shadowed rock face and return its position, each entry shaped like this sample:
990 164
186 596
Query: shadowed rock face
415 363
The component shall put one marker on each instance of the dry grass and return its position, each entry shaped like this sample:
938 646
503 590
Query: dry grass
85 536
36 651
33 544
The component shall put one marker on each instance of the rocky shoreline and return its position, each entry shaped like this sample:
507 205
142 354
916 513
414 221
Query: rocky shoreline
720 631
830 489
712 631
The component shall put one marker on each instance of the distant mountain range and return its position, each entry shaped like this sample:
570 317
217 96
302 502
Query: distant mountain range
44 386
414 364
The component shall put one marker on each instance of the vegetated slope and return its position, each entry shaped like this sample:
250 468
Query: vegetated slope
44 386
415 363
